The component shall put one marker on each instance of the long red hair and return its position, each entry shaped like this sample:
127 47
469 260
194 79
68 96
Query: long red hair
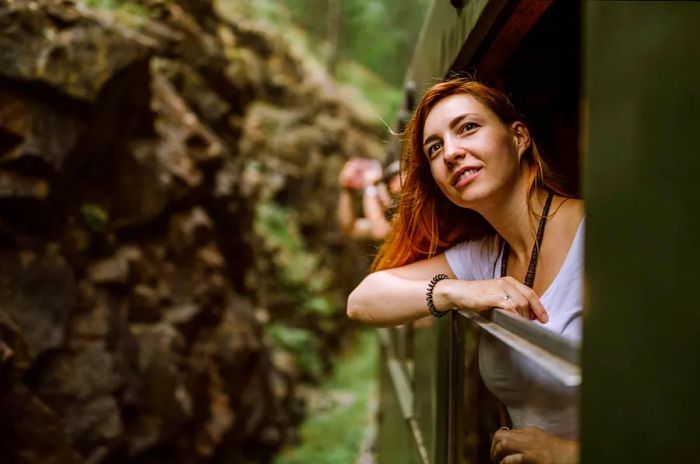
426 222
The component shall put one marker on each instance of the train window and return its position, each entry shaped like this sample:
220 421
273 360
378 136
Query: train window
540 71
640 93
541 74
433 366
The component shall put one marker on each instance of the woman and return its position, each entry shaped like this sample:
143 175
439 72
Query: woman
378 192
481 224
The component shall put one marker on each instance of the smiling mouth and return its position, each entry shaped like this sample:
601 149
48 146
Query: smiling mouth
465 176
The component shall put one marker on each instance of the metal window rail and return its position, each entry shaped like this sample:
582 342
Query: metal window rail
404 392
556 355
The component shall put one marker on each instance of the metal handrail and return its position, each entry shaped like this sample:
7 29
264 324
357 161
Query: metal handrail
553 353
404 393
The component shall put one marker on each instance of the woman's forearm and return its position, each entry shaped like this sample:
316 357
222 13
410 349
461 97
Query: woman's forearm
385 299
374 212
345 213
388 298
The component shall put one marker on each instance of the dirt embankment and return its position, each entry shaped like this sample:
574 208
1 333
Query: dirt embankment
169 265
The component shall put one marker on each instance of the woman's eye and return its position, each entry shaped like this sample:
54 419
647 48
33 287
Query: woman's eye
432 149
468 127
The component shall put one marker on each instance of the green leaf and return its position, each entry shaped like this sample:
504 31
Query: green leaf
95 217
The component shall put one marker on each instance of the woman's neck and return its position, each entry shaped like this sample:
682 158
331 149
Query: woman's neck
513 221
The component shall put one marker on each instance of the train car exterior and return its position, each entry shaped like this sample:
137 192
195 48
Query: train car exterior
613 90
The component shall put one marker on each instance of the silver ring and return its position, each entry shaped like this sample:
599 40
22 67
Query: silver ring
507 297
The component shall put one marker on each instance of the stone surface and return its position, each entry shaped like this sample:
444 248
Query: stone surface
37 289
167 181
32 129
50 42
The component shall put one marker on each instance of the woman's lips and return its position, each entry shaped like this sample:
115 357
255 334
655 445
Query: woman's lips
466 176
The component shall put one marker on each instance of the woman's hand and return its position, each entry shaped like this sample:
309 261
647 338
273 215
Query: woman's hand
531 445
505 292
371 172
358 173
350 176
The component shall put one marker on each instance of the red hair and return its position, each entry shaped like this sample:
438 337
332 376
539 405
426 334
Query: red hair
426 222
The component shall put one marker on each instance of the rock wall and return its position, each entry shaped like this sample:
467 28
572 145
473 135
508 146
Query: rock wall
169 265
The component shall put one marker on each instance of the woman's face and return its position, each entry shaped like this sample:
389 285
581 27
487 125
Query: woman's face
473 156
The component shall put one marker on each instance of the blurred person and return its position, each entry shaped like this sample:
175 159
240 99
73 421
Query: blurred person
378 188
483 223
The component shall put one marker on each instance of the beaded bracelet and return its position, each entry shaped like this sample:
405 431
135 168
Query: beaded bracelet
429 295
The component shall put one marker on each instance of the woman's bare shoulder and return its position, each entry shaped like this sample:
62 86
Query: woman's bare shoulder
571 211
567 220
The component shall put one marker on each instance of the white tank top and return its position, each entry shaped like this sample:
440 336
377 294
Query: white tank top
531 395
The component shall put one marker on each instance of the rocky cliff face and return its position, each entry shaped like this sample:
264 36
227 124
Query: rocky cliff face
169 264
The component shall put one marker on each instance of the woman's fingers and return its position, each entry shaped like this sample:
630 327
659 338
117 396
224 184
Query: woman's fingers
502 444
514 459
533 300
515 302
531 445
373 173
508 446
347 174
512 297
494 442
506 293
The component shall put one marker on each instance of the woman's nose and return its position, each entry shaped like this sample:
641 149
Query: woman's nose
453 150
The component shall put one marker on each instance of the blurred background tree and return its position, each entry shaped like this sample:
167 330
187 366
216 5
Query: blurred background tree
368 47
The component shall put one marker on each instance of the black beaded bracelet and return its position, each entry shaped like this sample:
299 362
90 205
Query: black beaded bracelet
429 295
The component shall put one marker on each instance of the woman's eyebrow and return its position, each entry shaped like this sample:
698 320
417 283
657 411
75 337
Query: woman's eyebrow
459 118
456 120
430 139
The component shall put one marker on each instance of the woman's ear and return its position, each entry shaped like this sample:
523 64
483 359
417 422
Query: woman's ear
521 135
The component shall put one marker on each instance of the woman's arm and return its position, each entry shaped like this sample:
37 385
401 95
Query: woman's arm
396 296
374 212
384 196
345 212
348 181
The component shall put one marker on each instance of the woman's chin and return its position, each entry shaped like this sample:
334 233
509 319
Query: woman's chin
469 198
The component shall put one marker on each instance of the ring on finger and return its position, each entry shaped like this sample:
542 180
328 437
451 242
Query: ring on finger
507 297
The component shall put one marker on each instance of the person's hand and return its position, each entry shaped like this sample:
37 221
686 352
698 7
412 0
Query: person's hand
371 172
505 292
350 176
531 445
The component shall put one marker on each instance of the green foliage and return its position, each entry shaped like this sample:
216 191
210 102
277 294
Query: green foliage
126 6
95 217
104 4
333 434
297 268
376 43
380 34
300 276
300 343
383 98
130 12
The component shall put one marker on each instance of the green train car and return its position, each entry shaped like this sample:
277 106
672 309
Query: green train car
612 91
